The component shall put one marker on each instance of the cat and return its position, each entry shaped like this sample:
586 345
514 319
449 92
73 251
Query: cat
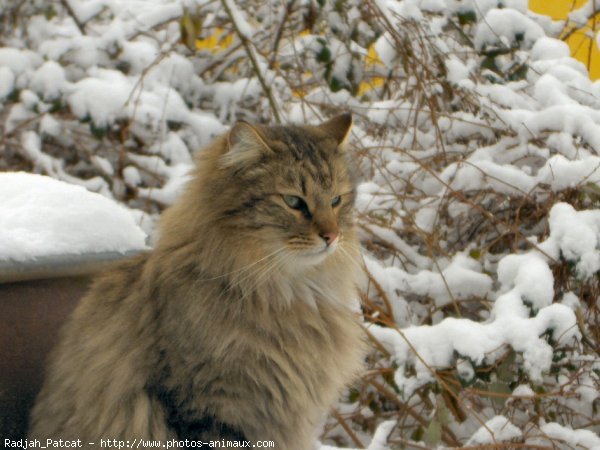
241 322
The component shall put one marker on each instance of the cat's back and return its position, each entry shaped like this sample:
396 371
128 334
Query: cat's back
103 353
115 290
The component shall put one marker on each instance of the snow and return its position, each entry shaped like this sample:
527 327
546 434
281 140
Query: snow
49 80
40 216
582 14
89 99
238 18
546 48
457 71
579 438
529 276
176 175
437 346
574 236
495 430
385 49
526 288
523 391
20 62
132 176
379 441
478 207
7 82
460 280
50 126
502 27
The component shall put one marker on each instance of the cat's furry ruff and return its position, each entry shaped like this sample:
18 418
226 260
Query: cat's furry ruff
215 334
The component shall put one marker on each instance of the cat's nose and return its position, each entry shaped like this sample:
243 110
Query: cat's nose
329 237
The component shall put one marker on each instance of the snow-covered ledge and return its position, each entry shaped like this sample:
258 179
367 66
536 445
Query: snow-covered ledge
50 228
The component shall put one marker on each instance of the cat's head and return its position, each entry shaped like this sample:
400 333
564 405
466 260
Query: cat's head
290 189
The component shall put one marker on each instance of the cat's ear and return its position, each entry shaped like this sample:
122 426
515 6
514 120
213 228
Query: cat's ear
244 144
338 128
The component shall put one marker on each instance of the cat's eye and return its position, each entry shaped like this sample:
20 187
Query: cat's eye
293 202
335 201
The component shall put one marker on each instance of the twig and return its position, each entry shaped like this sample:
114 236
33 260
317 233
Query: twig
71 12
447 435
279 33
575 28
246 43
508 445
347 428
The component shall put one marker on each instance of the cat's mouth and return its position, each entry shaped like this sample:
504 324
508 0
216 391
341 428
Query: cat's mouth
316 255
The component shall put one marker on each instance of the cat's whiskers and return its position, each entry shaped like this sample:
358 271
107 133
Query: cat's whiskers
244 268
242 272
252 277
345 248
255 276
260 280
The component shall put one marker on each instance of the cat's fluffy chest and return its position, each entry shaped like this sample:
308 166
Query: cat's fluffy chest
285 361
313 289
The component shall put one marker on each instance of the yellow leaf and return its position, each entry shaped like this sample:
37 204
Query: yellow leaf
372 58
188 29
216 42
370 84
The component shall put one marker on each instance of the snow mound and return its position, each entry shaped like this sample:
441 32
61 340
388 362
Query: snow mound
41 216
580 438
496 429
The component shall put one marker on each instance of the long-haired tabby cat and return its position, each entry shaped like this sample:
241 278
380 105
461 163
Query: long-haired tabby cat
239 324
